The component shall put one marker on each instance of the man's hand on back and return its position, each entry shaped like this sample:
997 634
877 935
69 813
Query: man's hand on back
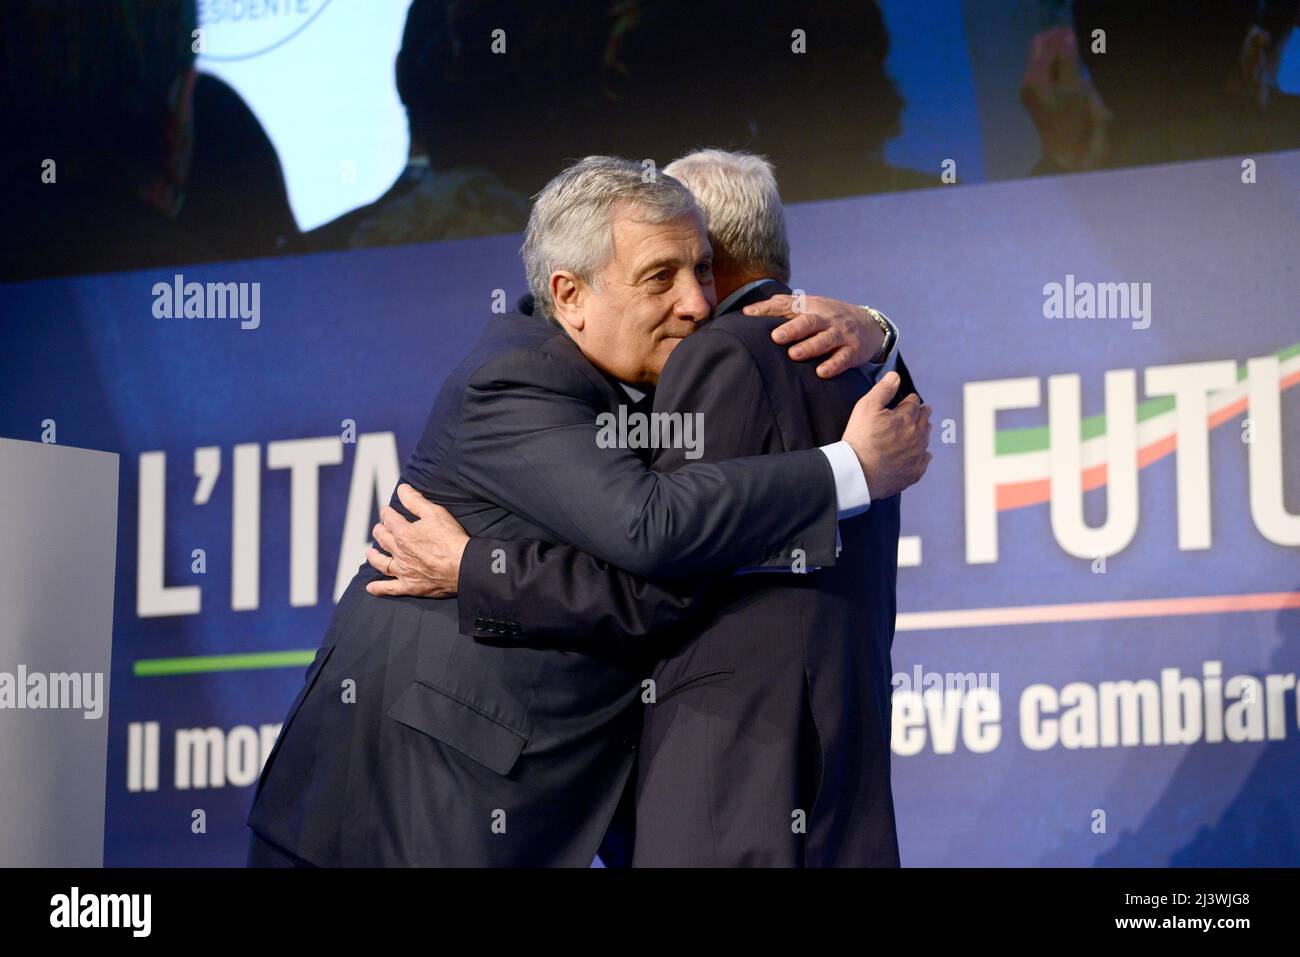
890 443
845 332
423 556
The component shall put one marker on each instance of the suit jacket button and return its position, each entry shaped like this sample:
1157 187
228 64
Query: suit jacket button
515 630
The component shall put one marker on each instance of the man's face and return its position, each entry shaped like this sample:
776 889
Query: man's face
655 291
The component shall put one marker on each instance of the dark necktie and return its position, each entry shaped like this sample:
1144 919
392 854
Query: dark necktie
643 407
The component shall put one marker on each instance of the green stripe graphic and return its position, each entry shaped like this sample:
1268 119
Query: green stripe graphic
1035 438
206 664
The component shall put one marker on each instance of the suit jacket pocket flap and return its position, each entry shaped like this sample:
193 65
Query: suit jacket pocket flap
454 723
697 680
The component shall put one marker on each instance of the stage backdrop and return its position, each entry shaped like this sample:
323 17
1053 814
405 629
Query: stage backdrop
1100 593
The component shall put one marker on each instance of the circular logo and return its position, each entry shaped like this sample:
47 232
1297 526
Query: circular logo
243 29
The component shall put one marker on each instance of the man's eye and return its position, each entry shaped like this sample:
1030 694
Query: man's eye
663 275
704 270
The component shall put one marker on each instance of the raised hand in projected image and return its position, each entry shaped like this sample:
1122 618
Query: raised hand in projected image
1071 119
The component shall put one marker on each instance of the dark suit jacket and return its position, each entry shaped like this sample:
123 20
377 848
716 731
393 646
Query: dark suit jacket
413 744
769 742
774 694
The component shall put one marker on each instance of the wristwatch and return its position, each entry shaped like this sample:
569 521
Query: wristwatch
887 328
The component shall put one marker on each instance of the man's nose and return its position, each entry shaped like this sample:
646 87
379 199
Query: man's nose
694 303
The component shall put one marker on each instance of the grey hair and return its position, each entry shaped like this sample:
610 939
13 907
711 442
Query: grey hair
738 194
571 225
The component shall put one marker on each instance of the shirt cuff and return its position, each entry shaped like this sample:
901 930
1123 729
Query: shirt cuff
852 497
873 370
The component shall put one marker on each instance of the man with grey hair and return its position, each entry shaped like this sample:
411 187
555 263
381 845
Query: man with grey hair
783 760
739 193
427 735
766 738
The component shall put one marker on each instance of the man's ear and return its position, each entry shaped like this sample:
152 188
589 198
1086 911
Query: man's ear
567 291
